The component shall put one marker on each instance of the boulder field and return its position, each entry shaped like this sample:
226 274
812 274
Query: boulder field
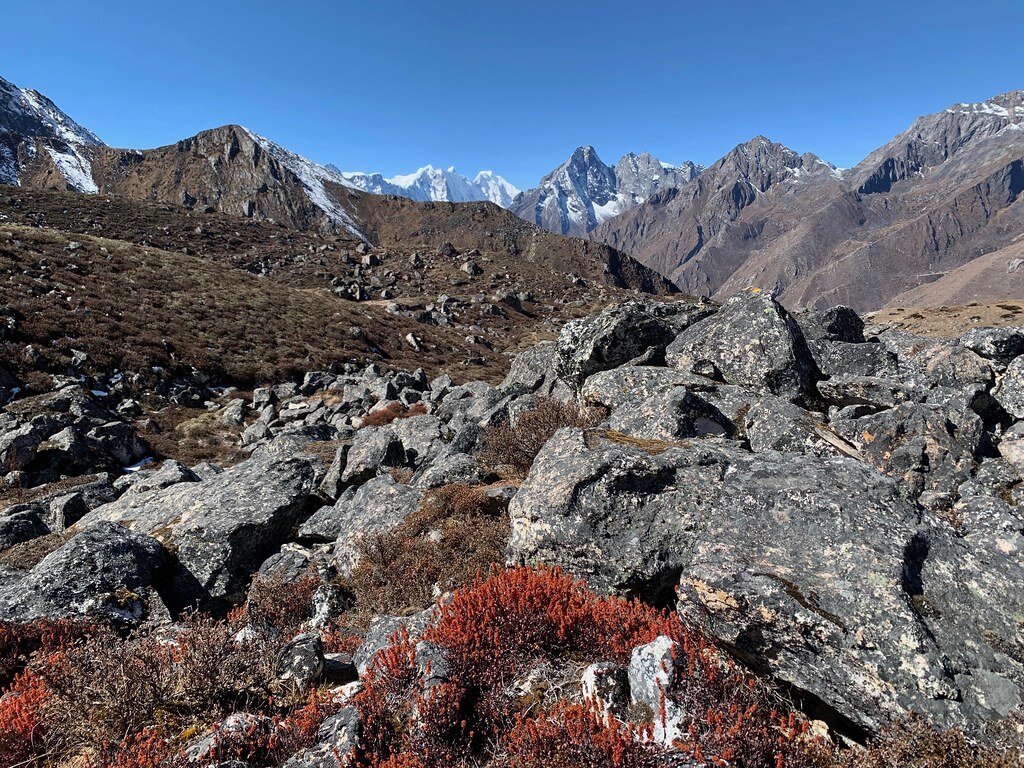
837 505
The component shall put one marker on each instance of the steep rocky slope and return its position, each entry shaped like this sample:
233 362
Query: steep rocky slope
31 125
228 169
940 194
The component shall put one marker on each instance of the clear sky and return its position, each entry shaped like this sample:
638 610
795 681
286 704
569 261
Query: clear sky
513 86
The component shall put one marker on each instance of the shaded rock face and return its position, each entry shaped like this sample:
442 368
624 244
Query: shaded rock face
106 572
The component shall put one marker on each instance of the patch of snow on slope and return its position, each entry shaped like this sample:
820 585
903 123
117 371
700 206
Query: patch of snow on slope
613 207
63 126
8 167
75 168
312 177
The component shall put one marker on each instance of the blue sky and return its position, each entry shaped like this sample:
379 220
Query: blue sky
513 86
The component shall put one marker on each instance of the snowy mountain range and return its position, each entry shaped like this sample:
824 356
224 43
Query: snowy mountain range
437 184
583 192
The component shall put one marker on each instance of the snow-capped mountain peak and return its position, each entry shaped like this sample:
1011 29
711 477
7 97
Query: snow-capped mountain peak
28 112
582 192
26 115
436 184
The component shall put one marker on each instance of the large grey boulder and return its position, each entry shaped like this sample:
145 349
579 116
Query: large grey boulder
534 370
774 424
965 583
375 508
837 323
752 342
620 334
106 572
835 358
797 563
673 414
634 383
423 438
374 449
20 526
1000 345
451 466
221 529
852 389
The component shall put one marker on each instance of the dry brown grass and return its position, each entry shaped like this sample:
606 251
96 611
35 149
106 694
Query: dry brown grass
191 436
107 687
456 533
516 445
27 554
277 604
653 446
136 307
915 744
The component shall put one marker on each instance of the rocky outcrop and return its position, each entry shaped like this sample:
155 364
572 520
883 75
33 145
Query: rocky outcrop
66 432
106 572
223 528
850 533
751 342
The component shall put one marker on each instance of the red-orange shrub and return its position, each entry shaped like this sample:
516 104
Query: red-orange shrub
390 412
501 624
18 642
573 736
21 734
498 629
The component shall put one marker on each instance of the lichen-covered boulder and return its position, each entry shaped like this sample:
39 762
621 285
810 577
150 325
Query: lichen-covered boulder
796 562
375 508
752 342
221 529
932 449
106 572
620 334
1010 389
